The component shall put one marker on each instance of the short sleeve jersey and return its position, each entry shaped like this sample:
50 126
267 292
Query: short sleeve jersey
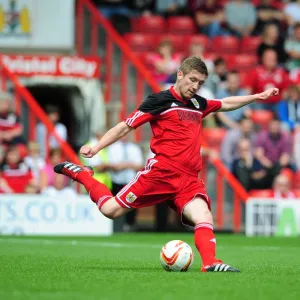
176 125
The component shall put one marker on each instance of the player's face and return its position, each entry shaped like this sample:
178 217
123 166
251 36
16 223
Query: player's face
190 83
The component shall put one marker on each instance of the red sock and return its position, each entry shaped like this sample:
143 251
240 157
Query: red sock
205 242
98 192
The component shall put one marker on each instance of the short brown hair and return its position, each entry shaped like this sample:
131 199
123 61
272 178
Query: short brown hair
193 63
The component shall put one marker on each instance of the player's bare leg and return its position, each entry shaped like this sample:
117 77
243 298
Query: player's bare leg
98 192
112 209
198 213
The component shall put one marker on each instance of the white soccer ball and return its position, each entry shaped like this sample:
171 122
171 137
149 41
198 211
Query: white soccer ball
176 256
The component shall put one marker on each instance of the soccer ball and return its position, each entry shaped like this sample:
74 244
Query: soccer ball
176 256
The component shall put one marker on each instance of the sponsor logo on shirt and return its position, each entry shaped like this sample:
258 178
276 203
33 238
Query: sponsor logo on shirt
131 197
189 116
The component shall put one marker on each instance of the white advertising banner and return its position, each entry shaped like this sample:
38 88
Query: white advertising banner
42 215
37 24
270 217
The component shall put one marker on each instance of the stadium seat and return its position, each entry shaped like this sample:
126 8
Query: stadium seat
176 40
296 181
241 62
249 44
261 117
198 39
145 57
214 137
149 24
225 44
261 193
139 42
181 25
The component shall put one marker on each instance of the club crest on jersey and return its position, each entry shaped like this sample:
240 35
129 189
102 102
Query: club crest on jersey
195 102
131 197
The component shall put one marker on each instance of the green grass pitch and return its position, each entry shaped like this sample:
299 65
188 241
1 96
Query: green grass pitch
126 266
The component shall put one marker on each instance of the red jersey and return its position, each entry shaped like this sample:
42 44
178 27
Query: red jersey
17 177
9 121
261 79
176 125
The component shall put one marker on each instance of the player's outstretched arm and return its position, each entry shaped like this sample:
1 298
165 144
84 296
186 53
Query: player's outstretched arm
109 138
235 102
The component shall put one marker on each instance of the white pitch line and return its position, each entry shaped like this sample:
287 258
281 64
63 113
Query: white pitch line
126 245
78 243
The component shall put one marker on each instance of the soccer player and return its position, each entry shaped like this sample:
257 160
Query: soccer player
175 116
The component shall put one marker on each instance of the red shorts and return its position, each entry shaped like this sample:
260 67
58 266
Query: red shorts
159 182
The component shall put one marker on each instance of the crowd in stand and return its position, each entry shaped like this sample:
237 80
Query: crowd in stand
248 46
260 143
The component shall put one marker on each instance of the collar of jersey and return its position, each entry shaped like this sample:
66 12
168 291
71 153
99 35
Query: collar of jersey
175 95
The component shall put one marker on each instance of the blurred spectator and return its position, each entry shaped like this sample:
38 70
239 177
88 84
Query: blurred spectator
210 120
48 175
2 153
100 162
281 188
251 172
165 61
217 78
142 7
292 12
11 129
205 93
230 119
292 47
124 159
267 13
194 5
273 146
15 172
268 74
34 160
4 187
113 7
289 109
272 40
53 114
197 49
32 189
209 18
59 189
229 149
240 17
171 7
297 149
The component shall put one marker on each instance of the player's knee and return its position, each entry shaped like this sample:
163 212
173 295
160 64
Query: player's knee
110 212
111 209
204 216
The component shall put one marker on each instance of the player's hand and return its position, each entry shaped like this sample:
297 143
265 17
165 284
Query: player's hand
87 151
268 93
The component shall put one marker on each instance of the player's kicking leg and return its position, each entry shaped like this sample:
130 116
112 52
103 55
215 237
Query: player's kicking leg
98 192
198 213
